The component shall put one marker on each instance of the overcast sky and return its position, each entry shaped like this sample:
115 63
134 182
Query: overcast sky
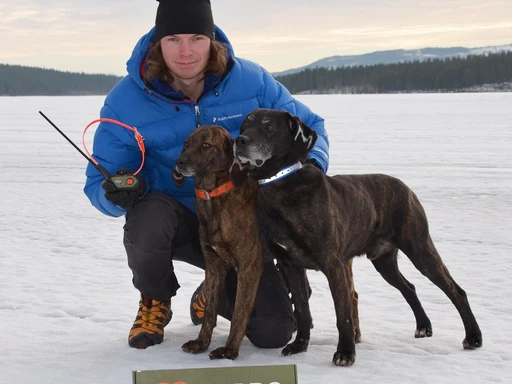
97 36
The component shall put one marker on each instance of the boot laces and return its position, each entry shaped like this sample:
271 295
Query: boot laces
152 313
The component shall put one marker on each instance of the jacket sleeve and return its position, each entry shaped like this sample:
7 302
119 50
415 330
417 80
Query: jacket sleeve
278 97
112 152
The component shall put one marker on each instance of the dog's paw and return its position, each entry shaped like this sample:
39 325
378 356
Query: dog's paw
472 341
298 346
195 346
344 359
423 327
224 353
423 332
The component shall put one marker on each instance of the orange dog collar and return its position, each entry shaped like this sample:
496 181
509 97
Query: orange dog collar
205 195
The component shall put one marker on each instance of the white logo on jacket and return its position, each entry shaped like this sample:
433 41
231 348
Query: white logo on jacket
215 119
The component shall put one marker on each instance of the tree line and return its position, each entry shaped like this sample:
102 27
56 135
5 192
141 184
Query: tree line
17 80
437 75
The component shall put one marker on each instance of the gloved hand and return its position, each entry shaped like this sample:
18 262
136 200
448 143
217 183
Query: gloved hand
124 198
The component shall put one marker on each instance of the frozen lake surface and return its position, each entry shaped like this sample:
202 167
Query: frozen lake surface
66 298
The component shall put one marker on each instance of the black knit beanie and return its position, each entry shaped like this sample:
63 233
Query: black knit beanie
175 17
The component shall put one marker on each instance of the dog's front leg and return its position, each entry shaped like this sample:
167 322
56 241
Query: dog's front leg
215 276
247 285
299 288
336 274
354 299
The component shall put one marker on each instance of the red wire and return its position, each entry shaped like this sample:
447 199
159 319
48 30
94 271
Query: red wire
138 137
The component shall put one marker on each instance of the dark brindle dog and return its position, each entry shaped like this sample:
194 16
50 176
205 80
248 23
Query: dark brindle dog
309 220
226 228
229 235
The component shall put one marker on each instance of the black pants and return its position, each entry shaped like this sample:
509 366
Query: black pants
159 230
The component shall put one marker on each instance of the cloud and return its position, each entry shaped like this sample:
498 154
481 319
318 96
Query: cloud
97 35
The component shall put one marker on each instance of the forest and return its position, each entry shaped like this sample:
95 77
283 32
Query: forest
446 75
17 80
456 74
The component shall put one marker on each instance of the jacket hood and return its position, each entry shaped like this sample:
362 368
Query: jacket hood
141 48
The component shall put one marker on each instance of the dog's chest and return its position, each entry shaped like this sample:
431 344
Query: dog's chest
228 229
301 223
285 239
291 253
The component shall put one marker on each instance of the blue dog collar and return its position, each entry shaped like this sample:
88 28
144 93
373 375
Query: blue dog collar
282 173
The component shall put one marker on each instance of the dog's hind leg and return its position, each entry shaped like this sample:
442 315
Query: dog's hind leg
386 264
426 259
298 285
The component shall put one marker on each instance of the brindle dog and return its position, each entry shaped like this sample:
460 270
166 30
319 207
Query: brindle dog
226 228
229 236
310 220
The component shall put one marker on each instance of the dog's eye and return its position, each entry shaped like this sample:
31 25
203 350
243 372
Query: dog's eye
269 127
186 144
206 145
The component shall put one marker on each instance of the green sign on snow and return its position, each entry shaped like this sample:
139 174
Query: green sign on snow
267 374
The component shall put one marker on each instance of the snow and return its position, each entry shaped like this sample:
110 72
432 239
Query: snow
66 298
495 49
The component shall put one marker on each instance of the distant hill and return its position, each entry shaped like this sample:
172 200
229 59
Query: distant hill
396 56
17 80
491 72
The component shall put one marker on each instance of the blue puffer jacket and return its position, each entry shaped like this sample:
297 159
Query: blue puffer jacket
165 119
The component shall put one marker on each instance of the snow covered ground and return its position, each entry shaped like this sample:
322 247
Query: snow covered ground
66 298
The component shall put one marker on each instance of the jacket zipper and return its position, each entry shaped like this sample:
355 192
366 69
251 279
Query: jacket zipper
196 106
198 114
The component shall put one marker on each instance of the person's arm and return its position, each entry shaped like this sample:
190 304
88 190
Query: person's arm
113 151
278 97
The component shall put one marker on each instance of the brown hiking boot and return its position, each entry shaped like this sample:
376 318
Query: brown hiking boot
148 328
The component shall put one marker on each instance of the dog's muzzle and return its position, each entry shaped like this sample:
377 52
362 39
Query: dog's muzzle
245 155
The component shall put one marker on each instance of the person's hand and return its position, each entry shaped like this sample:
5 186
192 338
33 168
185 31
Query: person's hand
124 198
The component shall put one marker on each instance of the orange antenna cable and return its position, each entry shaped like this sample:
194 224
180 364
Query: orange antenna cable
138 138
120 181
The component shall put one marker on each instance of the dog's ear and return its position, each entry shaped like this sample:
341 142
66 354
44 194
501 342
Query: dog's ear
228 143
304 137
178 178
239 173
228 147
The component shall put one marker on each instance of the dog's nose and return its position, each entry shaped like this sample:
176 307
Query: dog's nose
241 141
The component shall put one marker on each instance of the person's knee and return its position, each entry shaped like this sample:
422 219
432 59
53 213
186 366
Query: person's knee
266 333
150 223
